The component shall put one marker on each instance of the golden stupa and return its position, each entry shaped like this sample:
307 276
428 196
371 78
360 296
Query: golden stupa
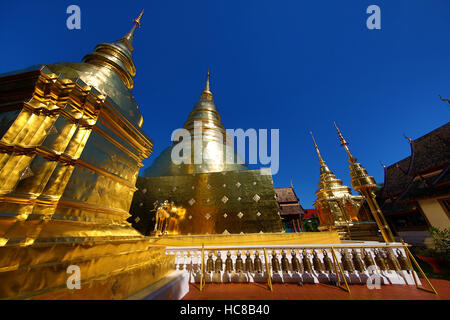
218 194
335 204
366 185
70 151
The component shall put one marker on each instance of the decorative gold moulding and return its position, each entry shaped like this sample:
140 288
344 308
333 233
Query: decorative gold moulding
249 239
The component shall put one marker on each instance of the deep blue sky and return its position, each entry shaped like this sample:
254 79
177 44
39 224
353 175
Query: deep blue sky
293 65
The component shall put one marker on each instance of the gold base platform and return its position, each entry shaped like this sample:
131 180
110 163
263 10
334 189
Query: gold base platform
114 269
249 239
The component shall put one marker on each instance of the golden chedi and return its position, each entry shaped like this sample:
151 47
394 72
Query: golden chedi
366 185
338 209
71 146
219 194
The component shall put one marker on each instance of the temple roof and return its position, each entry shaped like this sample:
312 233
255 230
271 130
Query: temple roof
286 195
423 174
291 209
397 176
432 150
288 201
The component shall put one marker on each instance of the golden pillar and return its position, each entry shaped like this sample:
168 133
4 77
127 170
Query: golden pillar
365 184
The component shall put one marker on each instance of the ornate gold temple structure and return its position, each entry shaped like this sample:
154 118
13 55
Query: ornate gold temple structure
220 194
71 146
338 209
365 184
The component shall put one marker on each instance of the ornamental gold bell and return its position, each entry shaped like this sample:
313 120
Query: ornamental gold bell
284 262
404 263
380 261
296 265
306 262
392 261
218 264
327 261
347 263
249 263
209 263
368 260
275 262
228 263
258 263
239 266
318 265
357 261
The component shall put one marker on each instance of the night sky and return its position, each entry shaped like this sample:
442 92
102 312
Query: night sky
290 65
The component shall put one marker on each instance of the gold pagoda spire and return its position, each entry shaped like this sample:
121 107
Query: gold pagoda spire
344 143
365 185
321 161
323 166
335 203
128 38
207 94
117 56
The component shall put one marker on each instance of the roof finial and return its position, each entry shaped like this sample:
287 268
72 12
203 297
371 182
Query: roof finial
207 94
445 100
344 143
207 82
317 150
128 38
408 138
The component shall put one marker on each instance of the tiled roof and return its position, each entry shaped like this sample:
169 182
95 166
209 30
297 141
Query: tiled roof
286 195
432 150
289 209
396 178
408 180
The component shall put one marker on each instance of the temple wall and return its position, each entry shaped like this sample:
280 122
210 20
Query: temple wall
435 213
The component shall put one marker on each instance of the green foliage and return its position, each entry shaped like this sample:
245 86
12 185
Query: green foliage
311 225
441 239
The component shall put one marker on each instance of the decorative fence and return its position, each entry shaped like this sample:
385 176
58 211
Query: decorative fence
341 265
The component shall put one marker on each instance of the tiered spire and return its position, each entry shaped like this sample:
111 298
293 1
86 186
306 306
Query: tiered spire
205 112
128 38
365 184
117 56
207 94
344 143
321 161
331 189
